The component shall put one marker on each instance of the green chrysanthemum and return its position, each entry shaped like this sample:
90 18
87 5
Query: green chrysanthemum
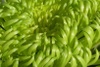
49 33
